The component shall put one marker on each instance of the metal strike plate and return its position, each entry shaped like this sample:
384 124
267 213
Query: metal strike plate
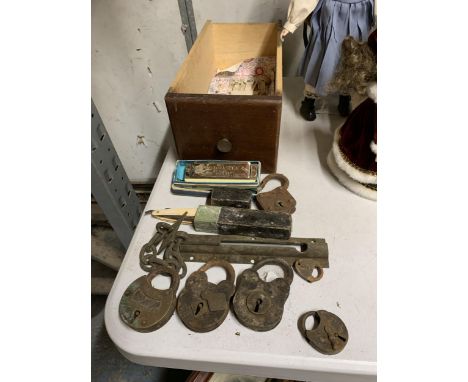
305 254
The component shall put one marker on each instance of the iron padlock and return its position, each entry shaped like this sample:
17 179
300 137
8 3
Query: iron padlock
328 335
258 304
278 199
203 306
145 308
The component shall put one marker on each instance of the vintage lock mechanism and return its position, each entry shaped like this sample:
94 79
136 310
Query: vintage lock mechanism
203 306
145 308
328 335
311 256
258 304
278 199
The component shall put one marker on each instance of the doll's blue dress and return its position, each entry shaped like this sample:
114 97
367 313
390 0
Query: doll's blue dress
330 22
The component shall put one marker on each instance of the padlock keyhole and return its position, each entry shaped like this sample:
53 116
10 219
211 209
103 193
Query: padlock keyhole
199 308
257 305
136 313
279 203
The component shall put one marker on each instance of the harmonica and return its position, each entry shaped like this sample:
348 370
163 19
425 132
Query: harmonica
217 171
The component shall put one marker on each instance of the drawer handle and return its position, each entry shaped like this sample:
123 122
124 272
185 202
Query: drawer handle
224 145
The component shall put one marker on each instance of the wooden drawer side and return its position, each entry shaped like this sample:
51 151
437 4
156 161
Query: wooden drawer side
234 43
220 45
199 67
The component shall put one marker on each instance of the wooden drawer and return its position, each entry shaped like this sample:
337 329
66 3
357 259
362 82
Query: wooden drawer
231 127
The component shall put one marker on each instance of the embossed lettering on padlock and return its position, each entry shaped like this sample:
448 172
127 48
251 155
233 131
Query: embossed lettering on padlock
259 304
203 306
278 199
328 335
145 308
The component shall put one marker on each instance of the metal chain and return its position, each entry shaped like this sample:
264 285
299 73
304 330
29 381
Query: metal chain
172 255
166 242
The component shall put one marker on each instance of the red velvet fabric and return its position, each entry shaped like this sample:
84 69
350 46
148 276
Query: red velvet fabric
356 135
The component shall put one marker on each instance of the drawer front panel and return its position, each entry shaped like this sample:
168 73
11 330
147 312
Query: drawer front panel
226 127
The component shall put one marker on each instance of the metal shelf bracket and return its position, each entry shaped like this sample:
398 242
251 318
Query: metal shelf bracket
109 182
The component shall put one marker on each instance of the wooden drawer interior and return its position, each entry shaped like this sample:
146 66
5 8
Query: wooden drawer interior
220 45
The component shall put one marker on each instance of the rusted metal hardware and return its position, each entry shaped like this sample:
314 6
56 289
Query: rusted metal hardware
145 308
169 247
202 306
231 197
305 254
165 242
278 199
258 304
328 335
307 269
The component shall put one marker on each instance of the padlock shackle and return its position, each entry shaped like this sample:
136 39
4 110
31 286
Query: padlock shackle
287 270
302 320
230 273
164 270
284 181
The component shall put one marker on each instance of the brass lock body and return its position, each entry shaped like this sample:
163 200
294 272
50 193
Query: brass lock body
278 199
328 335
145 308
203 306
258 304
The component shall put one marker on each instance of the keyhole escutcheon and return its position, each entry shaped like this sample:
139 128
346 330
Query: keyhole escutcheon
199 308
257 305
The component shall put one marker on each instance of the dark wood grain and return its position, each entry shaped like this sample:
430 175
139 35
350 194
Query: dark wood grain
250 123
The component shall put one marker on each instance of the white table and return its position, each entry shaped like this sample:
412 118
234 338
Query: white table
324 209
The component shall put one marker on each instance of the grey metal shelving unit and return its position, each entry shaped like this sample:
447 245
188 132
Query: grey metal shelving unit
110 185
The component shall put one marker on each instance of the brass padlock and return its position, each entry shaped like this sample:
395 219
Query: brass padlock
203 306
278 199
145 308
259 304
328 335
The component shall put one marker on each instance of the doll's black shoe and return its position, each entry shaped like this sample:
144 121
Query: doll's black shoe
307 109
344 106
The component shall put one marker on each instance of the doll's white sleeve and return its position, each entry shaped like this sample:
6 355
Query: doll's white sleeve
297 12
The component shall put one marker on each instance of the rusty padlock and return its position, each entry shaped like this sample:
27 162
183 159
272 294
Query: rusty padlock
202 306
278 199
145 308
258 304
328 335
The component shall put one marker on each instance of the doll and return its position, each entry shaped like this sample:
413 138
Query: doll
330 22
353 157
